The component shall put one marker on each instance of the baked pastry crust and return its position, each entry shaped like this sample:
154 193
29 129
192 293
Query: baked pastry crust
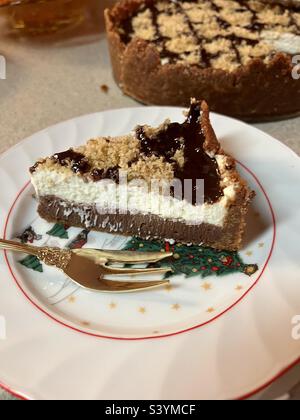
257 90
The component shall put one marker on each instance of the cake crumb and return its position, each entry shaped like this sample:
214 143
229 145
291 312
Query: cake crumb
104 88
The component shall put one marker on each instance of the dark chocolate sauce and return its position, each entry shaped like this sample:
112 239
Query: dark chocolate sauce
110 173
206 58
97 174
79 165
113 174
165 144
197 164
77 161
34 167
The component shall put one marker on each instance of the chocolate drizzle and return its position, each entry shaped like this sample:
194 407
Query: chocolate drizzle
77 162
97 174
110 173
33 168
164 144
197 164
205 58
80 165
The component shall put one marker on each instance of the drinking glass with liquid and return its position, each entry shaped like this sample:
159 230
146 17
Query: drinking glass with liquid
43 16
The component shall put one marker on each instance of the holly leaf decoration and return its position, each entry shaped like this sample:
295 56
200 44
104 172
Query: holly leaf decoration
33 263
195 260
59 231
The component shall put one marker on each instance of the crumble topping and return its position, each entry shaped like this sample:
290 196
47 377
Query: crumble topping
151 168
120 153
173 150
104 153
222 34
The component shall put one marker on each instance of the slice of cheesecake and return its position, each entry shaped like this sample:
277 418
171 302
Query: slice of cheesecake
148 184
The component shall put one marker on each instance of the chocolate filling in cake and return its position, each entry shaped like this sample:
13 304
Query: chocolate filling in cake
149 226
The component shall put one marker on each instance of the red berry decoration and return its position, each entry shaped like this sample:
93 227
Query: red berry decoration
227 261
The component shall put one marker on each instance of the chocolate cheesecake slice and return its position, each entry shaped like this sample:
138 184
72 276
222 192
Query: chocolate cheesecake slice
148 184
236 55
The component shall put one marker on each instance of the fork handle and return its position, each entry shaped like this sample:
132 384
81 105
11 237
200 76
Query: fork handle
59 258
18 247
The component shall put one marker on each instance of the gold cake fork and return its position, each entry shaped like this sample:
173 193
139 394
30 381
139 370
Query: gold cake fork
89 267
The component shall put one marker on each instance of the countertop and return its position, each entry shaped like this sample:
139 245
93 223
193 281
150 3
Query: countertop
59 77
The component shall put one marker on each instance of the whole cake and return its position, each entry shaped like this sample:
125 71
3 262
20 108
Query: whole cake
237 55
84 186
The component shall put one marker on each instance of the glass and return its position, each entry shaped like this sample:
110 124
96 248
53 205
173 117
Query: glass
44 16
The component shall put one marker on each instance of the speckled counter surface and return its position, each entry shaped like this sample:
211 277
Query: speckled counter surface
58 78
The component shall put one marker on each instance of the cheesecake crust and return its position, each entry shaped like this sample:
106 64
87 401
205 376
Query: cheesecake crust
259 87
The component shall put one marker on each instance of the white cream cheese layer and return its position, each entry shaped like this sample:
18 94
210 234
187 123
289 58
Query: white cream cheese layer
109 197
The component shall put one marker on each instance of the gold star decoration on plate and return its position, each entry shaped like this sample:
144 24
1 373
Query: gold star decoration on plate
72 299
210 310
239 287
176 307
261 245
85 324
249 253
142 310
112 305
168 287
206 286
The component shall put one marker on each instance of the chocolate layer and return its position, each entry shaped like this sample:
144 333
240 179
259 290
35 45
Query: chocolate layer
146 226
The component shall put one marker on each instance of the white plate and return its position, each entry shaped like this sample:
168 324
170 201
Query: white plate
218 337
